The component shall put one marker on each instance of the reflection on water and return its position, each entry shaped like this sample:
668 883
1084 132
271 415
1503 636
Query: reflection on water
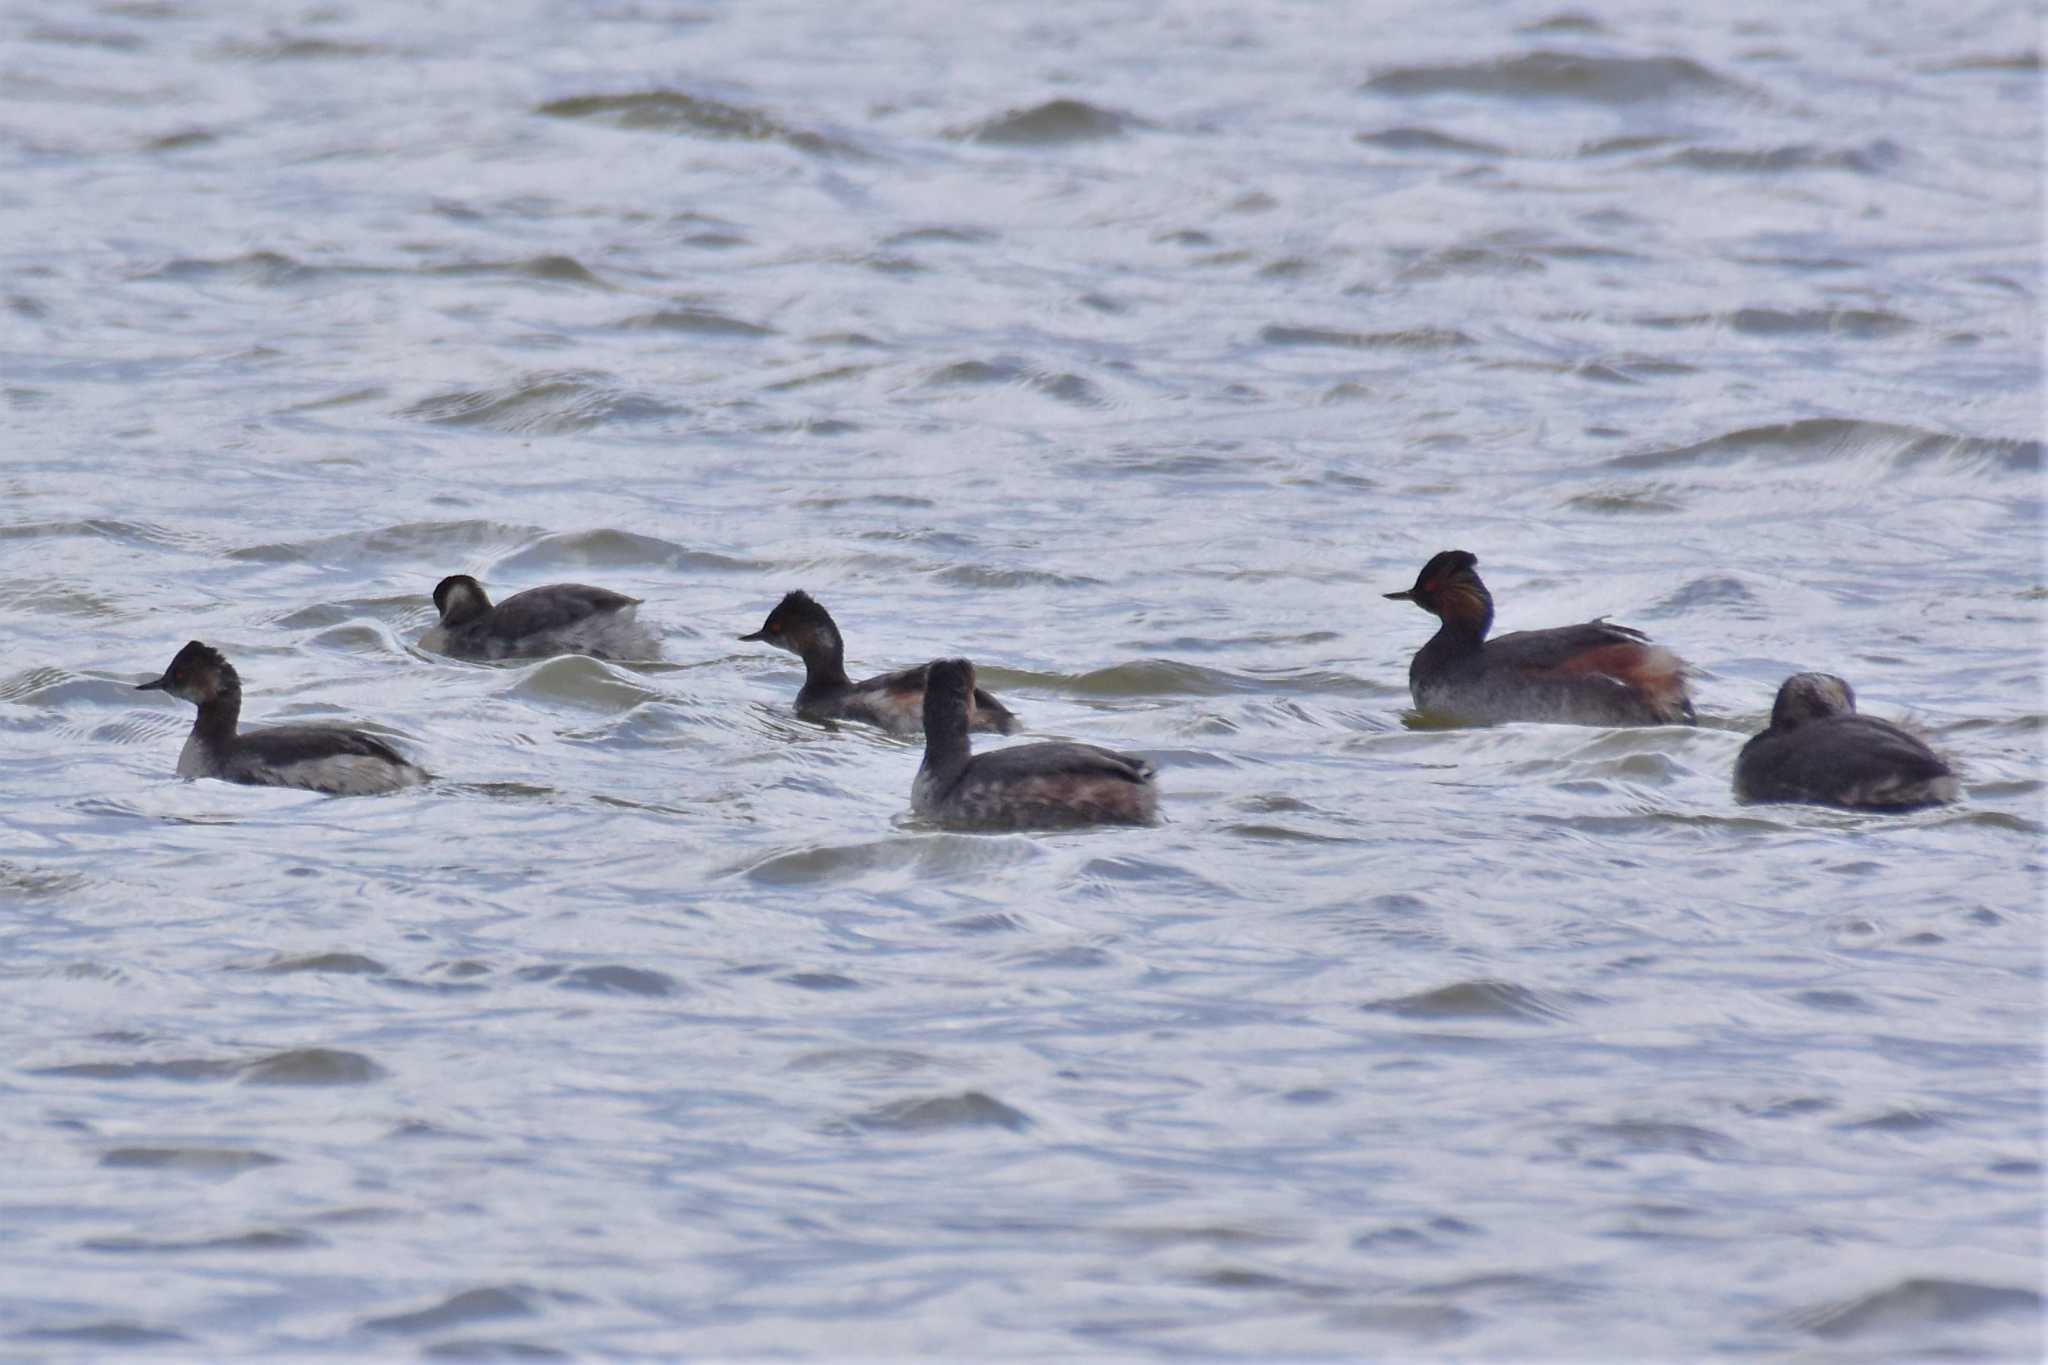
1132 355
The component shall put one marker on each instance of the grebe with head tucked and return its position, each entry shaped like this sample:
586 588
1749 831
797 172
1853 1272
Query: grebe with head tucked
1818 750
561 618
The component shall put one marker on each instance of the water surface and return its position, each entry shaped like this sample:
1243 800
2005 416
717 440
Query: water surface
1135 355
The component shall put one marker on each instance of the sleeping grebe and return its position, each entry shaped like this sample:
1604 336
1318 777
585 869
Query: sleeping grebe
1818 750
561 618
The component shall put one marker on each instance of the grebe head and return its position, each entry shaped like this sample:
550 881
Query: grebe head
1449 587
199 675
948 695
1811 696
952 678
458 598
799 625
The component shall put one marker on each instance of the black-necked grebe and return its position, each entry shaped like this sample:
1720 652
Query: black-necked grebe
1026 786
894 701
318 758
1591 674
561 618
1819 751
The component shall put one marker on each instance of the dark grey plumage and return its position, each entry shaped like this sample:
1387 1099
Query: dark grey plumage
559 618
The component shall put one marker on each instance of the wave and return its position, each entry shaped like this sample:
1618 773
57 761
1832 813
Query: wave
1884 1315
295 1066
1170 677
1561 75
546 402
286 48
605 979
264 269
488 1303
430 540
1478 999
676 111
1050 124
552 269
1871 159
693 321
1814 439
1406 339
137 534
1067 388
1410 139
580 681
208 1161
605 548
936 1113
1859 324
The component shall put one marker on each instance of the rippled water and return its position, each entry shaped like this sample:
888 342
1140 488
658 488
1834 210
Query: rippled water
1134 354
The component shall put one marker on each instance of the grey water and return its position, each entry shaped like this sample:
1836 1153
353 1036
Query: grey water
1133 351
